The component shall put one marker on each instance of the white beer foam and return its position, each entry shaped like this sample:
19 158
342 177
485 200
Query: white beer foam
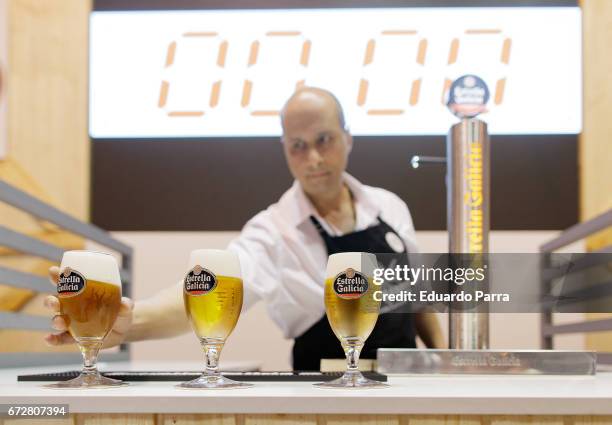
93 265
219 261
363 262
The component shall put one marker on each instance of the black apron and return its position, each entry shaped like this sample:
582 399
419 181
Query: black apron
393 330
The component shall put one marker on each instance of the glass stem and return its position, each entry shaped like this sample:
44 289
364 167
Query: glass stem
352 349
89 350
212 350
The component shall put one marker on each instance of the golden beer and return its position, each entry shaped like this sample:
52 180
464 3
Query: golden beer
92 313
352 311
89 294
351 318
215 314
212 293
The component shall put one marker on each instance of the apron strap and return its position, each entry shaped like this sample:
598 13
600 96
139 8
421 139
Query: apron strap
384 223
318 226
328 238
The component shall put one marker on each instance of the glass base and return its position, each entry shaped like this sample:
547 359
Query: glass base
94 381
352 379
213 382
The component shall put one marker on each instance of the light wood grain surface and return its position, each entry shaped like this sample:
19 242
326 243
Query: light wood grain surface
88 419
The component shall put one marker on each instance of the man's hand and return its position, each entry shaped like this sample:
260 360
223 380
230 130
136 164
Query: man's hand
59 321
428 328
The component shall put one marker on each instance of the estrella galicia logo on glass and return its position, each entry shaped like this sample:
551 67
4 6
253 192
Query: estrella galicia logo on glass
350 284
200 281
70 283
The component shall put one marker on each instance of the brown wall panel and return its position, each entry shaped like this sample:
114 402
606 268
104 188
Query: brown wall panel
220 184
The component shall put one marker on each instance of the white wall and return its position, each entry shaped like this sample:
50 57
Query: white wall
161 260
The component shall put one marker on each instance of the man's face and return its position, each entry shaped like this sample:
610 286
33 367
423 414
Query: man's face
316 146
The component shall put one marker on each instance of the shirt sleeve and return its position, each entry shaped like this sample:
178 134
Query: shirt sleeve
256 248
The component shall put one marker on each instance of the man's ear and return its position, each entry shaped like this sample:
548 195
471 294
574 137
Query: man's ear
349 141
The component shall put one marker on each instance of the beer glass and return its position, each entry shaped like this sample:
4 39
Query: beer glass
212 292
89 293
352 311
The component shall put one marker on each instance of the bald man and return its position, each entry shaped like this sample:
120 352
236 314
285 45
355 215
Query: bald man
283 250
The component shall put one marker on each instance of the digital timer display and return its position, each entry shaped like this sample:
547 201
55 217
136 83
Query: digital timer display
226 73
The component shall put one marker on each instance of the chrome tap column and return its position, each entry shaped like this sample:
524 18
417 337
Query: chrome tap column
468 183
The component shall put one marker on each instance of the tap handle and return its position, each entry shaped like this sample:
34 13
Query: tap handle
417 160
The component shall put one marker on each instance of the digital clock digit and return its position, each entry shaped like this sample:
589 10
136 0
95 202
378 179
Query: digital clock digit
504 57
412 89
215 91
248 86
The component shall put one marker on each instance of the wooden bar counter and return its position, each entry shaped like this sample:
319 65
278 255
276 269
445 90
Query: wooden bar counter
411 400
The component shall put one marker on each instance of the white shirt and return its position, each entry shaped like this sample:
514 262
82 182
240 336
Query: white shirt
283 258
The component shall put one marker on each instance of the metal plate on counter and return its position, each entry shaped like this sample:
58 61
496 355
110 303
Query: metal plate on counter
485 362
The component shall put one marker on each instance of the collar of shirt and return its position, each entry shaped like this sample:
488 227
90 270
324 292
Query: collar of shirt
295 206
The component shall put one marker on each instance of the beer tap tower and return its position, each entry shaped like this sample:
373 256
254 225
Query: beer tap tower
468 197
468 183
